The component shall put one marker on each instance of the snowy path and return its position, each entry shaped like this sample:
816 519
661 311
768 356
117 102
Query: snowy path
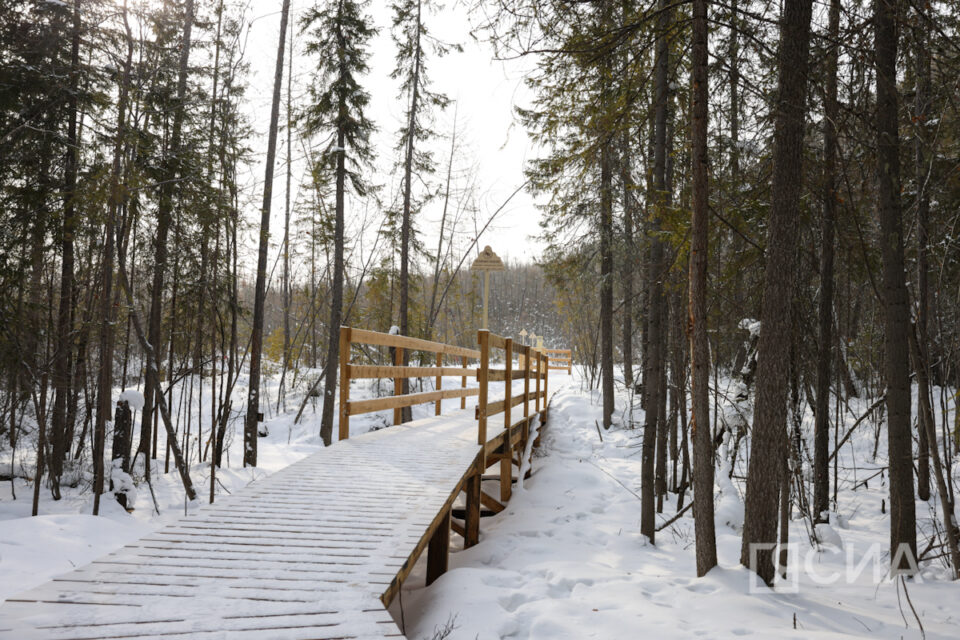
566 560
304 553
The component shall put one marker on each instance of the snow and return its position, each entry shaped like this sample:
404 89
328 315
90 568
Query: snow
133 397
566 560
753 326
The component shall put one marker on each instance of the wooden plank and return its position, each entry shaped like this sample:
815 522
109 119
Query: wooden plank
363 336
500 375
483 377
490 502
438 551
438 383
463 381
357 407
397 386
506 471
493 408
364 371
496 342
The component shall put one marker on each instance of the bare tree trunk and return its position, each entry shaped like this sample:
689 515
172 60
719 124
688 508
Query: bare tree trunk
921 107
62 359
250 429
286 229
699 349
896 309
769 424
172 169
405 225
654 341
821 432
629 263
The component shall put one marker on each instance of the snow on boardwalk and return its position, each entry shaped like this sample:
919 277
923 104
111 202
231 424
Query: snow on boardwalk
306 553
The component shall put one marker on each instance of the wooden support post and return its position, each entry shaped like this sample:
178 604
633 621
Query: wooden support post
463 384
483 337
506 471
398 384
539 375
526 382
438 550
472 515
344 421
546 381
569 362
439 381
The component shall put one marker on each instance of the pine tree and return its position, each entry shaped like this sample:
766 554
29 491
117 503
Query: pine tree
339 36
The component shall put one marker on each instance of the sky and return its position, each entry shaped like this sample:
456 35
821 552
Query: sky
485 92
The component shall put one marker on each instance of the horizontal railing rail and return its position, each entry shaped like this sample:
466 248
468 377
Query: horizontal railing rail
400 372
560 359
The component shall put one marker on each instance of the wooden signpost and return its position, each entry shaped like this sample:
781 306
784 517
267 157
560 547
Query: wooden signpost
487 261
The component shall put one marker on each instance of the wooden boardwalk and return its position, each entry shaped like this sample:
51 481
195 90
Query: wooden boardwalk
316 550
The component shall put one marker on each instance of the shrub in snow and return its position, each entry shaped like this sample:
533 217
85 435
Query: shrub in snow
122 483
132 397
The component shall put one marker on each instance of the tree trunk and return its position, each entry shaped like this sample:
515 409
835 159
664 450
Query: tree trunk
769 425
250 428
171 170
920 113
62 364
654 341
405 225
706 542
821 432
896 309
629 263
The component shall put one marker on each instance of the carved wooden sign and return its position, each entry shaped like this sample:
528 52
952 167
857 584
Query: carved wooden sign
487 261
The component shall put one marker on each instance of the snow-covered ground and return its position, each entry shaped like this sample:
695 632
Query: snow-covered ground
566 560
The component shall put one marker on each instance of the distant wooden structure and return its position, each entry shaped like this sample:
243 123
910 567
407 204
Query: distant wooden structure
318 549
560 359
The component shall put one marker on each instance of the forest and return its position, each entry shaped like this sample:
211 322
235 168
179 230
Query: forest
747 191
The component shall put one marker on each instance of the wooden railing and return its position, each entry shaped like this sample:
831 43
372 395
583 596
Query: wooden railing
531 365
562 360
348 372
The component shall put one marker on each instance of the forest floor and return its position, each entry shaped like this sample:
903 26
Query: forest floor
565 559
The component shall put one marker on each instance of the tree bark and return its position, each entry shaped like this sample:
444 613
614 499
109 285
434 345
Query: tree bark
250 428
896 310
920 113
821 431
171 171
654 341
769 425
706 543
62 360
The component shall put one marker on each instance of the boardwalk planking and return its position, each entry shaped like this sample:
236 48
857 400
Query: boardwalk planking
311 552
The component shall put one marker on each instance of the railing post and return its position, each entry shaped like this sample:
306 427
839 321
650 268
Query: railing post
439 380
546 384
463 383
506 462
398 384
344 421
539 357
483 337
569 361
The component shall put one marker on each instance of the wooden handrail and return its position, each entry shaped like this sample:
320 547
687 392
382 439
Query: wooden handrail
400 372
531 365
